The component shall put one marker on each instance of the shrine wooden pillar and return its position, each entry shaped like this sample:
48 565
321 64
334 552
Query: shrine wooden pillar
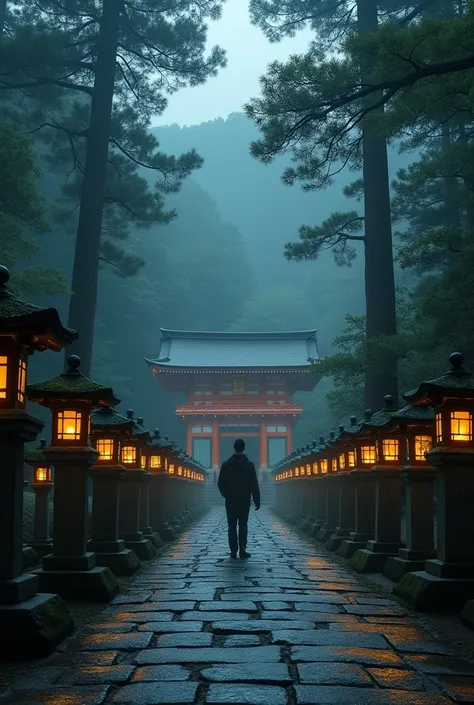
215 445
263 446
289 442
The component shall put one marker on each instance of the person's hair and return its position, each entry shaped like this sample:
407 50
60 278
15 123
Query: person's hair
239 445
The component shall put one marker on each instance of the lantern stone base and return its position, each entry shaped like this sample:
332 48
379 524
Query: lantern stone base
325 533
43 547
114 555
334 541
95 585
34 627
84 562
355 543
143 548
430 593
407 561
373 558
154 537
30 557
307 525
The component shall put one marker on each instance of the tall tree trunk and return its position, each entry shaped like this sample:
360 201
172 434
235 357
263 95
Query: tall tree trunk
86 260
381 378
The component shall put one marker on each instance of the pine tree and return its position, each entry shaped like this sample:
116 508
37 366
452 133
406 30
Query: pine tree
105 66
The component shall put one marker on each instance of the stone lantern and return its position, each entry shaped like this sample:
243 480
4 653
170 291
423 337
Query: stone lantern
322 466
71 569
30 624
387 508
415 427
448 580
107 428
331 481
132 484
157 452
144 523
363 444
347 463
42 485
311 488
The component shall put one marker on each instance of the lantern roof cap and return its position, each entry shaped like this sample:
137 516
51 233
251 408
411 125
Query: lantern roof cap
410 412
18 316
456 381
108 417
380 418
137 425
72 385
157 441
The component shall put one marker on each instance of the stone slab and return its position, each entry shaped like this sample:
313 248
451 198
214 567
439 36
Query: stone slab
435 664
230 606
255 625
145 674
211 616
138 617
242 640
320 637
97 675
251 673
397 678
333 674
171 627
86 695
262 654
346 654
104 642
186 639
241 694
156 694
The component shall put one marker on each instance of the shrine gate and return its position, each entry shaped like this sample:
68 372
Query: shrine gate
237 385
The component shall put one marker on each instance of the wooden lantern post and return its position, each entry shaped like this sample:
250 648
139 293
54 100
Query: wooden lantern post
71 569
38 622
107 428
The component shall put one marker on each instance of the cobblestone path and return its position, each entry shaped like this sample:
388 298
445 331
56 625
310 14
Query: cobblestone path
287 626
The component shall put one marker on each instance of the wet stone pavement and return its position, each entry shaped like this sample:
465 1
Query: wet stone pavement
287 626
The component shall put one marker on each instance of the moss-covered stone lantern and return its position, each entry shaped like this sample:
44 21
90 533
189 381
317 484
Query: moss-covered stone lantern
448 580
158 451
71 570
42 484
42 620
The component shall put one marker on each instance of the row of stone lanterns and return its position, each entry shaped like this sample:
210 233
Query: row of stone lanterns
123 460
348 491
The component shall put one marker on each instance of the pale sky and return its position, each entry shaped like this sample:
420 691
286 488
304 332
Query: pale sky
248 55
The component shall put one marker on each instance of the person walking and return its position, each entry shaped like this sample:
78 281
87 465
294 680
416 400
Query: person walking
238 483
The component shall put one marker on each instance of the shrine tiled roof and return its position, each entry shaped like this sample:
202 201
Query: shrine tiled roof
196 349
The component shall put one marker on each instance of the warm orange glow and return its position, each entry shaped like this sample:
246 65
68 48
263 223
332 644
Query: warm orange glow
180 470
105 446
155 461
128 455
3 376
308 469
166 463
297 472
324 466
367 455
334 464
352 458
423 444
69 425
171 469
315 468
290 473
42 475
439 428
390 449
21 381
342 461
461 426
143 462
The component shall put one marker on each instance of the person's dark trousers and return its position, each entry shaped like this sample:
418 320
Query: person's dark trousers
237 514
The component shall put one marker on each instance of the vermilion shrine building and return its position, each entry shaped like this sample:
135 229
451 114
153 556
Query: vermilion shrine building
237 385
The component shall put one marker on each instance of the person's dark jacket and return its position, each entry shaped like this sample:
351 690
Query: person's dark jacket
238 481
